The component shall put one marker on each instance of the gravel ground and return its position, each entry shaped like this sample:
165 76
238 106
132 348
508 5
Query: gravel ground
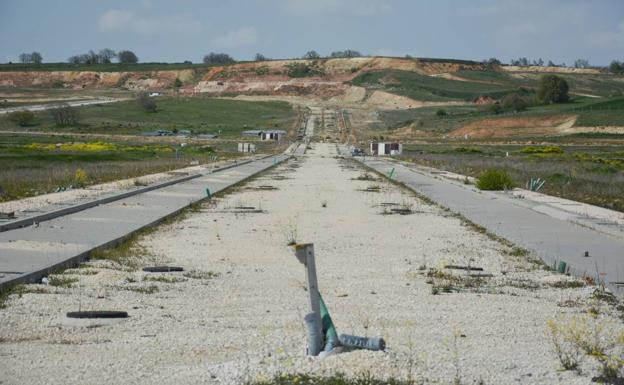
236 314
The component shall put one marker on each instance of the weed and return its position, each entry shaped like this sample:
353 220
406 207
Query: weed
62 281
365 378
163 278
568 284
197 274
81 178
602 341
151 289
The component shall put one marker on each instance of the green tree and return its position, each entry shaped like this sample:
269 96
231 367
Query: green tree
552 89
616 67
514 102
22 118
127 57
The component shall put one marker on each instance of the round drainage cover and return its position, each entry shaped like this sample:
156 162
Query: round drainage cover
162 269
98 314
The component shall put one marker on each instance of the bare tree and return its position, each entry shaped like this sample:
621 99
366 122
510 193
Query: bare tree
581 63
146 103
106 55
25 58
65 115
261 57
36 58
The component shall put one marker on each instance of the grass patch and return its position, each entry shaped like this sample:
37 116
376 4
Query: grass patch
198 274
62 281
423 87
163 279
151 289
337 379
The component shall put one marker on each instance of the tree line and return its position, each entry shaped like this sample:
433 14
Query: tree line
104 56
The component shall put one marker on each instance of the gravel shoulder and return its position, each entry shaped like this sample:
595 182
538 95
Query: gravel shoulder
236 313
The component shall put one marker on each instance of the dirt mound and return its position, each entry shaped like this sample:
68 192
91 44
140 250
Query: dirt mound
509 127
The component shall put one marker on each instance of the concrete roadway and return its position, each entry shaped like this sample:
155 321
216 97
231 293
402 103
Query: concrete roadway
553 239
26 254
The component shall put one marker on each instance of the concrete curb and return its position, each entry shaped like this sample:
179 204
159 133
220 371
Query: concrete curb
29 221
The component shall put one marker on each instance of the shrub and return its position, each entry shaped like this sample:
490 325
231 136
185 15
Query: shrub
300 70
514 102
552 89
81 177
22 118
541 150
146 103
177 83
495 180
441 112
494 108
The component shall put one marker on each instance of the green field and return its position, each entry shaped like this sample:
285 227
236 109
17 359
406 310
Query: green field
33 165
591 174
490 83
199 114
590 111
422 87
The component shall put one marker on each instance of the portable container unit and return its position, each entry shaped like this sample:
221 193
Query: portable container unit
381 149
246 147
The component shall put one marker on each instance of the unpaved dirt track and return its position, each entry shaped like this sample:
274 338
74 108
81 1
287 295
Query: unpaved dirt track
246 323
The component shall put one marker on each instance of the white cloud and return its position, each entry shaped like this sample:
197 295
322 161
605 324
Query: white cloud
351 7
236 38
116 20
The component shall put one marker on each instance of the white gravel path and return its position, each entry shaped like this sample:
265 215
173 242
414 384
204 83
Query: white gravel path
246 323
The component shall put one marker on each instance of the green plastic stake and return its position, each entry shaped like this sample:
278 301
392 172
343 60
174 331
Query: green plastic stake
208 194
331 337
562 267
391 173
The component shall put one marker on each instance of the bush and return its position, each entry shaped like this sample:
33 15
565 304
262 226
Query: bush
514 102
80 177
441 112
23 118
495 180
300 70
552 89
494 108
541 150
146 102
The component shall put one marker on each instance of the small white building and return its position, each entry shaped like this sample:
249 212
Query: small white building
381 149
246 147
271 135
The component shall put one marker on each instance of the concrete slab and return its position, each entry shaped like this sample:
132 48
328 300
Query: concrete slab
546 232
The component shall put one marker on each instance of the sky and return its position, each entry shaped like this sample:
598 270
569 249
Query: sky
179 30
